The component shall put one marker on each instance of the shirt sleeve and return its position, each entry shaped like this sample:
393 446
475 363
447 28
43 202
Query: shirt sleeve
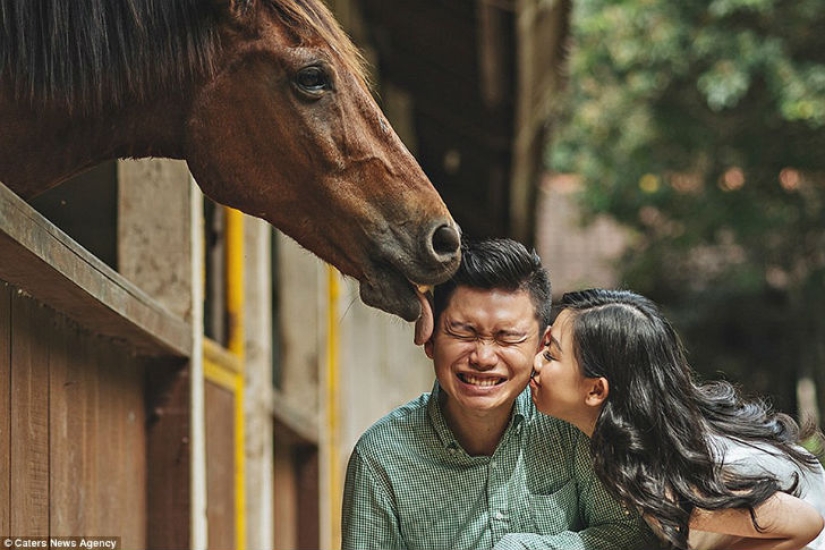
369 519
606 524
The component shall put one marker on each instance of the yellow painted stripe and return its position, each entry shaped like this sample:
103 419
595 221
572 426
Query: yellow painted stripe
333 417
218 374
215 353
236 338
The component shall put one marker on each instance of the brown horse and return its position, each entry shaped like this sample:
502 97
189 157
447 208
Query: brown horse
266 100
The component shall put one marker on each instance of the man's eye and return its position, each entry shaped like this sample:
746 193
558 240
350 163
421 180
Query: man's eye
511 340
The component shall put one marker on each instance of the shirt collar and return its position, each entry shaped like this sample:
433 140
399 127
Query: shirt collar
523 410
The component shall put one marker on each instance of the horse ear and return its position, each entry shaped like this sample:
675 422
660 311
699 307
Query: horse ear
237 9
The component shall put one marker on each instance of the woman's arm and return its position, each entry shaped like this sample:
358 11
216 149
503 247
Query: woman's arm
787 523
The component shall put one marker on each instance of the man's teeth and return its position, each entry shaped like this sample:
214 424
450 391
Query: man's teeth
480 381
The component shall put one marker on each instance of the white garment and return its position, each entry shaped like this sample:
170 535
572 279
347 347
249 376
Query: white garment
759 460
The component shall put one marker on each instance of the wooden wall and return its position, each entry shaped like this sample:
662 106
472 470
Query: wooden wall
72 429
95 395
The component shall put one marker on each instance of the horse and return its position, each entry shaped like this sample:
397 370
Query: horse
268 102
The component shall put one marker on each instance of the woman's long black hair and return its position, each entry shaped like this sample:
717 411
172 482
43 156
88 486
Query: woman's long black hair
651 441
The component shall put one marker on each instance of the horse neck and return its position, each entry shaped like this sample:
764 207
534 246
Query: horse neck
41 148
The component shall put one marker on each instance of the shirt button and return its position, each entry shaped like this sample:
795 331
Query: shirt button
499 516
493 464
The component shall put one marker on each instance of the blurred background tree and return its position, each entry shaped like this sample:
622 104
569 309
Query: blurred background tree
701 126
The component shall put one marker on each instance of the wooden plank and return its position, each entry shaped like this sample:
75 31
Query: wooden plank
131 431
97 444
492 51
120 446
109 475
220 465
297 420
29 419
285 505
5 408
106 442
542 30
309 513
168 457
71 404
47 263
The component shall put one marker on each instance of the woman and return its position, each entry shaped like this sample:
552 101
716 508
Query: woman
707 469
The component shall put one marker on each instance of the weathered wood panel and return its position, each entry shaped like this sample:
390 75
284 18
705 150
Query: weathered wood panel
5 407
285 497
120 445
309 514
169 457
57 271
98 442
73 456
29 418
73 407
220 471
297 491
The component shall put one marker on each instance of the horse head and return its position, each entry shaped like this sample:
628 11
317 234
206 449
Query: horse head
266 100
288 130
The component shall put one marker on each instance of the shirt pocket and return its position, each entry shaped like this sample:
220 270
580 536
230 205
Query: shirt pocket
553 513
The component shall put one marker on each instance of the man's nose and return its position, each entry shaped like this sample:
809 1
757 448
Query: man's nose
484 354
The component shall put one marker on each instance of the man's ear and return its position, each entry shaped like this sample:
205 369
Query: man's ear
545 338
428 347
597 392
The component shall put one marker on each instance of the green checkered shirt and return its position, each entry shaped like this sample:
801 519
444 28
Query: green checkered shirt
410 485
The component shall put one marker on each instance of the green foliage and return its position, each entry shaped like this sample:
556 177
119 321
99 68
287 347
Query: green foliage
681 117
701 125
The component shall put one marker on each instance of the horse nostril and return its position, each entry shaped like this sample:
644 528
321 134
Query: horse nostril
446 241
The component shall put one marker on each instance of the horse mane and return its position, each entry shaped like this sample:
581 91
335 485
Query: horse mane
87 54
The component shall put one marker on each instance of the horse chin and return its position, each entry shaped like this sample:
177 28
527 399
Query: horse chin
393 297
409 301
404 299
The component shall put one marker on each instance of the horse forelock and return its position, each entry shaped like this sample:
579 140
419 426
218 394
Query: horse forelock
306 19
87 54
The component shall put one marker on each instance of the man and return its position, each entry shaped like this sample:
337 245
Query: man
472 465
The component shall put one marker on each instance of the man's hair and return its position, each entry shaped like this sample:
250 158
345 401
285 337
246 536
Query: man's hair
499 264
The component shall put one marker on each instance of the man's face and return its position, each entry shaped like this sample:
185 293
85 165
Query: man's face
483 349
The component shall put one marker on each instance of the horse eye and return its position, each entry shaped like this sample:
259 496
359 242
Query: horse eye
312 80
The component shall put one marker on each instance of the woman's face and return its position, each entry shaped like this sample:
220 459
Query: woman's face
558 386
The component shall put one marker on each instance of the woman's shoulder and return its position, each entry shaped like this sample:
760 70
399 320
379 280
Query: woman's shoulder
753 458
